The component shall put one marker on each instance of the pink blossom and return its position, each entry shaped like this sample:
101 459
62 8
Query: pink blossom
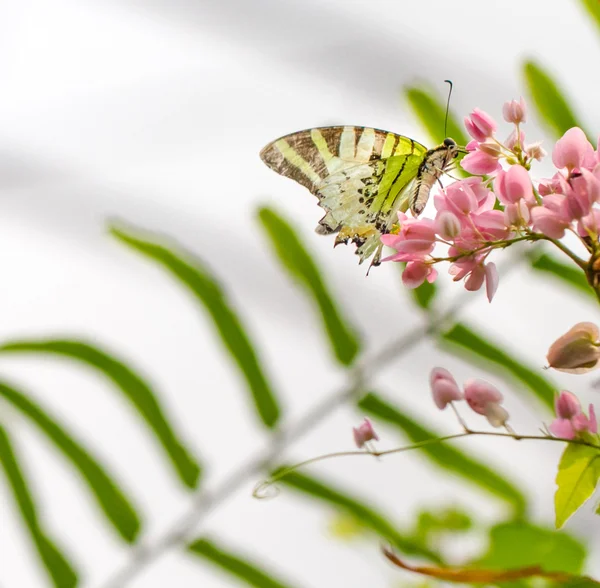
475 279
364 433
571 421
514 112
480 163
444 387
585 190
513 140
535 151
465 196
478 393
513 185
567 405
516 215
491 280
562 428
590 224
447 225
549 221
485 399
573 151
490 225
577 351
416 272
480 125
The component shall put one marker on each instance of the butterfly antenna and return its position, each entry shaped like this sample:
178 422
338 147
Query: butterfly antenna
449 82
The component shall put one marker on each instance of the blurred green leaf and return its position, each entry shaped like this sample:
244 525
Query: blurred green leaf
431 111
133 387
117 508
576 480
424 294
193 274
593 9
294 256
553 109
60 570
444 455
569 274
472 345
234 565
520 545
378 523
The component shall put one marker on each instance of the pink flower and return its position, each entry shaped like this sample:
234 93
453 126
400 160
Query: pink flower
584 191
577 351
535 151
491 280
416 272
480 125
550 220
571 421
567 405
513 185
516 215
480 163
513 140
444 387
485 399
447 225
573 151
562 428
590 224
514 112
364 433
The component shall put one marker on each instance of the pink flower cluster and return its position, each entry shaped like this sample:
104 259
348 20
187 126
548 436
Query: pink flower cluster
481 396
477 215
571 422
466 222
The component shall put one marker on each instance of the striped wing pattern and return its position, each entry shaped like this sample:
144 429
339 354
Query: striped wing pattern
359 174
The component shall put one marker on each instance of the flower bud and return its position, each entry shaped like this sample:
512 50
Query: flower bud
447 225
567 405
577 351
491 148
480 125
535 151
514 112
479 393
444 387
364 433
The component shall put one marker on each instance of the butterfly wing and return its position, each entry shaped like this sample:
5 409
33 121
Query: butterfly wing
359 174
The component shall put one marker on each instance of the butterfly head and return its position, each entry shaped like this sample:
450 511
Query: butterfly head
453 149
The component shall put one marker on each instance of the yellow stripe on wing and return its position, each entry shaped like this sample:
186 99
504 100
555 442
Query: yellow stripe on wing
295 159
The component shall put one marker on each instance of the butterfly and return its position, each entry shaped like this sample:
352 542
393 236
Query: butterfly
362 178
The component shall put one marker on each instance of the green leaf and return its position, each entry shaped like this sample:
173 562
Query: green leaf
234 565
432 112
369 517
295 258
60 570
444 455
425 294
553 108
577 477
472 345
570 275
110 498
193 274
520 545
593 9
133 387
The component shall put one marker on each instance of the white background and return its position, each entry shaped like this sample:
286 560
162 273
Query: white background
154 112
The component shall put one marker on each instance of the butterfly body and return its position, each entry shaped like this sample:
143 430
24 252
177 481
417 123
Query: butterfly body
362 177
